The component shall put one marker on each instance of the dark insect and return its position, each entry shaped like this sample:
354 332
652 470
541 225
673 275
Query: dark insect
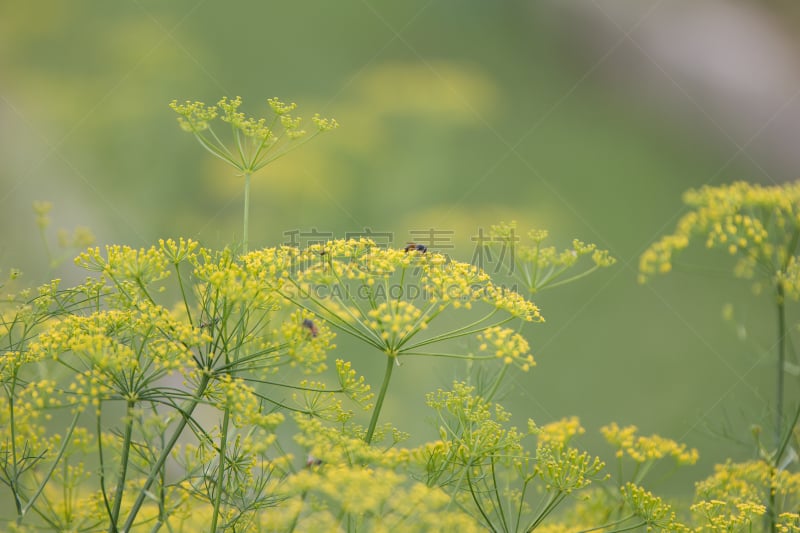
312 461
414 246
210 323
311 327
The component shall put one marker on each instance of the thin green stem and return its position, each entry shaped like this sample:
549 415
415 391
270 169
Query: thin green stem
183 295
568 280
496 492
477 501
496 384
14 480
223 444
387 376
629 528
555 499
246 211
99 427
781 363
49 474
610 524
165 453
126 448
214 150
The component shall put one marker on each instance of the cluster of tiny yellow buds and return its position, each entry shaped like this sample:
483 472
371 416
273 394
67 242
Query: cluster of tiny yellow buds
539 266
482 431
460 400
42 210
377 499
566 470
194 116
123 263
790 279
395 320
602 258
506 232
352 259
271 266
750 481
177 252
718 515
507 345
643 449
324 124
651 509
788 522
290 123
39 395
12 360
538 235
23 426
239 398
513 303
581 248
248 126
230 108
354 387
307 341
237 281
90 387
658 257
560 432
280 108
755 222
338 446
453 282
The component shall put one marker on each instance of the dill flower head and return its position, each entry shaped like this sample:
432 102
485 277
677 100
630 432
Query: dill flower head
389 298
656 514
757 224
748 482
642 449
257 141
719 515
472 426
539 267
507 345
558 433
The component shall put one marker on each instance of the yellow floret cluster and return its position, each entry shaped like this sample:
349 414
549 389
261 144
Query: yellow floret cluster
508 346
756 223
642 449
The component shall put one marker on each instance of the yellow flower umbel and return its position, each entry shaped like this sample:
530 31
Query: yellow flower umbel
256 141
483 462
760 227
653 513
645 450
736 492
541 267
389 299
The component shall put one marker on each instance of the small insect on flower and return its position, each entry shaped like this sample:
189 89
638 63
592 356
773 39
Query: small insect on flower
311 327
312 461
414 246
210 323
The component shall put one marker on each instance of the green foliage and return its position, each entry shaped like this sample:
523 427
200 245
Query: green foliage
184 388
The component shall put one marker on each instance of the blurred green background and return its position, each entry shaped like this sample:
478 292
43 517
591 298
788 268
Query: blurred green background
588 119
